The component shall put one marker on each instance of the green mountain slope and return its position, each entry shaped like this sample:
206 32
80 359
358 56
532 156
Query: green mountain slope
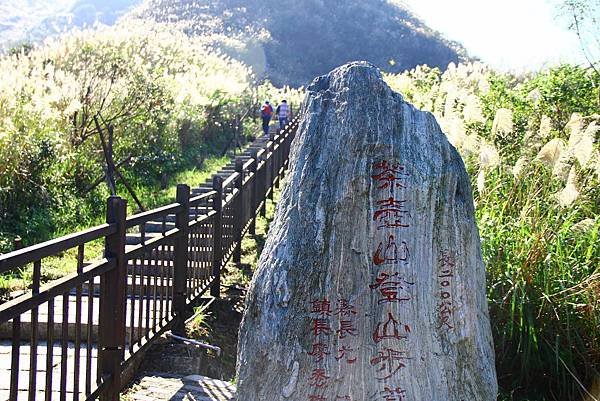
292 41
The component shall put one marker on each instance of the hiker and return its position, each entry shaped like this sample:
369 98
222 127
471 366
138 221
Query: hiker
266 111
283 111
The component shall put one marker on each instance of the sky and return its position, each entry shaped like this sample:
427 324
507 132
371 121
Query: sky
512 35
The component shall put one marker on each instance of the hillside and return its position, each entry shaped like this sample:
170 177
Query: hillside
292 41
32 21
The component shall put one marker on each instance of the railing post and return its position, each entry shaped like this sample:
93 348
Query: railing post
215 290
238 225
288 142
286 147
271 164
113 297
180 260
17 243
253 190
263 182
291 136
278 158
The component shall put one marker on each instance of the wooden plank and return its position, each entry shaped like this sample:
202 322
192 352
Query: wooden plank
181 258
150 215
24 303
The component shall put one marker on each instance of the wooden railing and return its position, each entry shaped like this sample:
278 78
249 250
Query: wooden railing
75 337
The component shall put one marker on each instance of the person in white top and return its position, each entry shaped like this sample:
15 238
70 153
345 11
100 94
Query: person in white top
283 112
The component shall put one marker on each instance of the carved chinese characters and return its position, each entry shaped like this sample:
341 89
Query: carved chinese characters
445 307
390 252
390 285
392 288
322 315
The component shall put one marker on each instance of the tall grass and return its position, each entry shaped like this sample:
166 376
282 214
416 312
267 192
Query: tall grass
543 283
171 99
535 169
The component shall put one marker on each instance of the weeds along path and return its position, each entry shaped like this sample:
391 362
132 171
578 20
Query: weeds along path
17 283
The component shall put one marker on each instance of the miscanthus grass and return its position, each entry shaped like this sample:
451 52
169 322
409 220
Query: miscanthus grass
535 171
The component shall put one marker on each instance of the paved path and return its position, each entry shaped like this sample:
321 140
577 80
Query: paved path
24 355
161 386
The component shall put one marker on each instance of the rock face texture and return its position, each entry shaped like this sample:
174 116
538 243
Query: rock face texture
371 285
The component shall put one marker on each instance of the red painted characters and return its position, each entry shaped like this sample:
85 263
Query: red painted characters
392 394
320 326
392 287
391 213
390 329
391 217
391 253
319 351
389 175
331 327
388 362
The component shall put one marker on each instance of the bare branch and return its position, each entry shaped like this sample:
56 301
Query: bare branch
98 181
110 179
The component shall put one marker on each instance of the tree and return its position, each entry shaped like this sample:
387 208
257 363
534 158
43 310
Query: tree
584 20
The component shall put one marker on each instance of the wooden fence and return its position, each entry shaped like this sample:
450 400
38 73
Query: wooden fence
74 338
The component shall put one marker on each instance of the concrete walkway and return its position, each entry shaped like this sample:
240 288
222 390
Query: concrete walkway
24 357
161 386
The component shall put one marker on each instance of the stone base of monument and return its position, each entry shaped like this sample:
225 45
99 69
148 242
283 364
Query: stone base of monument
371 284
182 359
175 371
218 325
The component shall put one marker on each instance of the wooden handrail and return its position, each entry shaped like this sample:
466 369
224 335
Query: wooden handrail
144 217
37 252
17 306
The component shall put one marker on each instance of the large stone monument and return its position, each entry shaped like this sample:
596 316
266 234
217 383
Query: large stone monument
371 285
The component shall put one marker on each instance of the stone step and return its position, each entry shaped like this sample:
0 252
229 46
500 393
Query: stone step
139 286
202 188
166 255
206 187
201 212
158 227
136 238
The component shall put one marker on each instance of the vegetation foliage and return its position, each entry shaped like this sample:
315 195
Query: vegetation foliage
171 100
531 146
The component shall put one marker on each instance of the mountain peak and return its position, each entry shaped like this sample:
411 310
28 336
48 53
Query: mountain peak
292 41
